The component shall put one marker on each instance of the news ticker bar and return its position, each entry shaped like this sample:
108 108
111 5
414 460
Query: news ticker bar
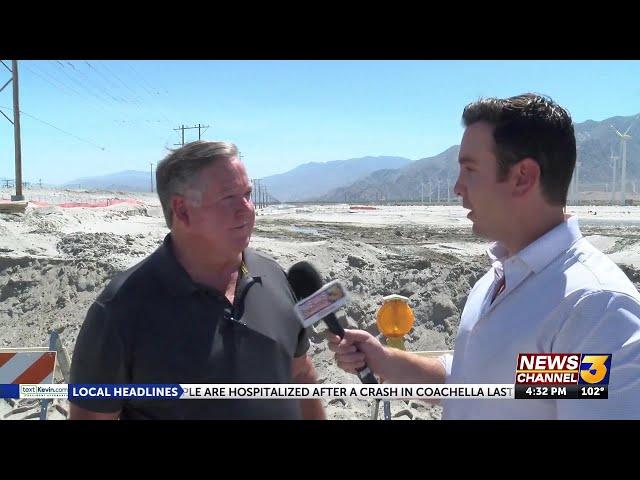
256 391
300 391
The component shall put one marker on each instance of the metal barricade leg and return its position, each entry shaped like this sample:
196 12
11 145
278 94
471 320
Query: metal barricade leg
63 362
44 403
386 409
375 409
386 406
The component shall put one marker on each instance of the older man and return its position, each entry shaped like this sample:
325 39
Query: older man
203 308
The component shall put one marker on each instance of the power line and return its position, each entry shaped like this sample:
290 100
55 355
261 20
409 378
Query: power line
106 79
61 67
134 100
149 91
50 76
114 98
100 89
43 74
53 126
58 64
169 122
113 108
104 65
60 85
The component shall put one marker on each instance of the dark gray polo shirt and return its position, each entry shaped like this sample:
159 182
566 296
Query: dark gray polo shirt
153 324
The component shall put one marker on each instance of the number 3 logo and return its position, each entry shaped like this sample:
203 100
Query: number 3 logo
597 370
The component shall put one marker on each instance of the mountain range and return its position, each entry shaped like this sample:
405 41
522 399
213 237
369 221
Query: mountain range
397 178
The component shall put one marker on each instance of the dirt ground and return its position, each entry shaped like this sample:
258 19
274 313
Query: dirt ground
55 261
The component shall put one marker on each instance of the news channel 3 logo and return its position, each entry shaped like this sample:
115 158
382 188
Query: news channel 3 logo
594 369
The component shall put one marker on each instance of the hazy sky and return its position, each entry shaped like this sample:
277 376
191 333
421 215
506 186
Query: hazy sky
84 118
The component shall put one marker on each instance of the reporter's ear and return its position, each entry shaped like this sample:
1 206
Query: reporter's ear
525 175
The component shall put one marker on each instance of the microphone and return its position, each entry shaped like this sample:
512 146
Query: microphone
305 281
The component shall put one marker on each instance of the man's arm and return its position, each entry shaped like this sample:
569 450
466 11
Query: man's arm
98 357
605 323
407 367
79 413
302 371
393 365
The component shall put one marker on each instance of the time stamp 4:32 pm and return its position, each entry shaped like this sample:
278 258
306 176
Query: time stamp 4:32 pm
562 391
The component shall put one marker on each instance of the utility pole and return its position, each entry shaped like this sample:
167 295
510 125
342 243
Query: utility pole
201 126
422 193
16 133
201 130
180 128
151 175
16 128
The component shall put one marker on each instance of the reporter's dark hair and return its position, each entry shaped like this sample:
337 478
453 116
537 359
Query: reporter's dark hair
530 125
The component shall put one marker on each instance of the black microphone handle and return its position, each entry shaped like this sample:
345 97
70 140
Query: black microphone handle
334 325
364 373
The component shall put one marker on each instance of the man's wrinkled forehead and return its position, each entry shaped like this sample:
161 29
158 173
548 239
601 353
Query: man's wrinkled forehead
224 176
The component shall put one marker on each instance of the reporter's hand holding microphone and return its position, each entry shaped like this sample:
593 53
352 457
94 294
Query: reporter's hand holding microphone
356 351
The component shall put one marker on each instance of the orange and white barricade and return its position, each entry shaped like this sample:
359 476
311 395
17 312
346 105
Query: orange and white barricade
27 365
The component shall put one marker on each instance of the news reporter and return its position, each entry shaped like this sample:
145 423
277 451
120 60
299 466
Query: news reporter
548 290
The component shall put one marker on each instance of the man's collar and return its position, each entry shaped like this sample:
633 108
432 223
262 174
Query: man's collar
539 253
174 276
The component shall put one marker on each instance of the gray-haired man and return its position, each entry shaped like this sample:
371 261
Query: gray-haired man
203 308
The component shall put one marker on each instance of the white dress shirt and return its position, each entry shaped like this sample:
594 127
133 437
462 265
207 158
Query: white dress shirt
562 295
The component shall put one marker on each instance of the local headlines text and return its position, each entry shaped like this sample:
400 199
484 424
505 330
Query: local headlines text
257 391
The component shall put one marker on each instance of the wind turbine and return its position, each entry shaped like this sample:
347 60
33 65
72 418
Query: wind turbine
624 138
576 183
614 163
